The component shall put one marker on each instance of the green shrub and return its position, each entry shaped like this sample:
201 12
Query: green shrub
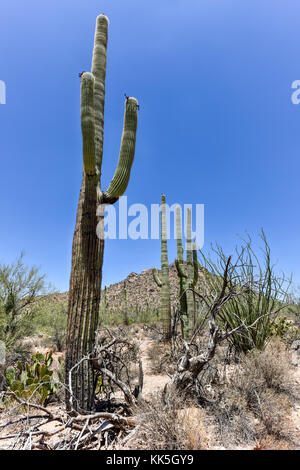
19 288
52 321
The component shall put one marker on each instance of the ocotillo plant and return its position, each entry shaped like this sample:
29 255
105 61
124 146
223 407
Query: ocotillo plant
164 282
125 304
87 250
187 278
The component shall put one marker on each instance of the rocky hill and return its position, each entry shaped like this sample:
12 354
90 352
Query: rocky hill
142 292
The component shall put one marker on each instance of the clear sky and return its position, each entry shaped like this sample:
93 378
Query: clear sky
216 122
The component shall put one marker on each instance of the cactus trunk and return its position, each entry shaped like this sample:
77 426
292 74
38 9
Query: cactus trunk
188 279
84 296
164 282
87 249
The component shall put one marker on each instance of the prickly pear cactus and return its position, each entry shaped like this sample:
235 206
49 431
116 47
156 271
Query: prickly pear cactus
34 379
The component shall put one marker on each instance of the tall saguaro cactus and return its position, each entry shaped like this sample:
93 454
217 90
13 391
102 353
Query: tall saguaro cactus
87 249
164 282
187 278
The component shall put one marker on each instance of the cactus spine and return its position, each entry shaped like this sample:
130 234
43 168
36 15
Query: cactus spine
164 282
87 248
187 278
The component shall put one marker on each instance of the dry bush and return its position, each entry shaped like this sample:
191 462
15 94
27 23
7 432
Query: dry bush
164 358
266 385
154 332
176 426
271 443
117 362
193 428
256 399
158 357
270 367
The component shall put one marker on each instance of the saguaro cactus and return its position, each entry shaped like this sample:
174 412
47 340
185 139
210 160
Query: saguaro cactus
105 302
87 250
125 304
187 278
164 282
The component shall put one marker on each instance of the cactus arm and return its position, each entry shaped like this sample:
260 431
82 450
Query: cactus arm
156 277
99 72
195 264
189 250
120 179
164 282
189 237
88 123
180 271
190 297
179 261
182 277
179 234
189 279
164 247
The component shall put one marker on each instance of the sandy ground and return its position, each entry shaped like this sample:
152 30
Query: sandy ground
152 383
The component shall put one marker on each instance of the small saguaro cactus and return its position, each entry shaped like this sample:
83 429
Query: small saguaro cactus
187 278
125 304
87 249
164 281
105 303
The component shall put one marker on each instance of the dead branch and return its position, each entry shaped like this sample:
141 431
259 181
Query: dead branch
127 393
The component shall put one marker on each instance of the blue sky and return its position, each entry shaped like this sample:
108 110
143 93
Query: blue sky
216 122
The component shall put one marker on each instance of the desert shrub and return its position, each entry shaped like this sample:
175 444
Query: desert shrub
164 357
19 288
135 314
154 332
256 398
147 315
32 381
179 425
158 357
110 318
269 368
272 443
294 305
52 321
